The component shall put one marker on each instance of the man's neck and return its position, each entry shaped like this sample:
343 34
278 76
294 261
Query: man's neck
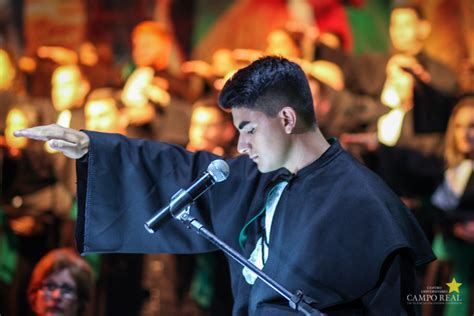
306 149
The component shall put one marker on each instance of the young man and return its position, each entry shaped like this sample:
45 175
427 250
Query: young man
298 206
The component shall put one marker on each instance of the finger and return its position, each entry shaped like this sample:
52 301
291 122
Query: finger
70 150
37 133
48 132
61 145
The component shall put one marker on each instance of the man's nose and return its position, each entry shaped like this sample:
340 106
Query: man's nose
242 145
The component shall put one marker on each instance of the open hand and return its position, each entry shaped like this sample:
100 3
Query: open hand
73 144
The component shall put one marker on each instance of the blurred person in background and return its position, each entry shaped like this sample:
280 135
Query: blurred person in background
102 112
408 159
417 94
153 83
454 201
408 32
61 284
35 202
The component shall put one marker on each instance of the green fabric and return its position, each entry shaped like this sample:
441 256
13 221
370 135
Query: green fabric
8 250
461 255
207 12
243 233
202 286
127 70
369 26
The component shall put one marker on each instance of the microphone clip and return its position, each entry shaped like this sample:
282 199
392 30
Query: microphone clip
177 209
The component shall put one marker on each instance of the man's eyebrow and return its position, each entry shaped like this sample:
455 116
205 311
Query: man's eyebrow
242 124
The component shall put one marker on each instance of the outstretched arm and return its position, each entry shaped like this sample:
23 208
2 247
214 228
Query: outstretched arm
72 143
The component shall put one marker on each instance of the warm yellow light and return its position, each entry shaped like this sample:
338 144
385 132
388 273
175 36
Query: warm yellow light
16 120
66 85
280 43
88 54
205 129
133 94
102 116
389 127
7 72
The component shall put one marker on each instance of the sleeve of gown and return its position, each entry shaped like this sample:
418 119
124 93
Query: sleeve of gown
397 280
121 183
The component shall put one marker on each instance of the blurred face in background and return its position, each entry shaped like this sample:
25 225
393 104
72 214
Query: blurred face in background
57 295
205 132
405 31
150 49
211 130
464 130
103 116
68 87
7 71
16 119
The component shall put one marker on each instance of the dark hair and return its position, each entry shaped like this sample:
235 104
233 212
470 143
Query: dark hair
58 260
410 6
268 85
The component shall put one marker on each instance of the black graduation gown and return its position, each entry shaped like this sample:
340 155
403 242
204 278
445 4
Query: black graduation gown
335 226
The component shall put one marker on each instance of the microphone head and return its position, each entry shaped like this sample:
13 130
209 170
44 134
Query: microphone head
219 170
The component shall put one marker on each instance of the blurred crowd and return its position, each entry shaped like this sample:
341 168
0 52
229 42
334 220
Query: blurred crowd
404 114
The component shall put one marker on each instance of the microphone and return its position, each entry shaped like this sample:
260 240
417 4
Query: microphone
217 171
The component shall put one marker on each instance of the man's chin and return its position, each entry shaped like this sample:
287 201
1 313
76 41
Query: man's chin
264 169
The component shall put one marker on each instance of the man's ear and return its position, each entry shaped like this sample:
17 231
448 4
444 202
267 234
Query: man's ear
424 30
287 116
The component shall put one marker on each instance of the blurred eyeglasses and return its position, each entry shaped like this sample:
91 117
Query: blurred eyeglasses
66 291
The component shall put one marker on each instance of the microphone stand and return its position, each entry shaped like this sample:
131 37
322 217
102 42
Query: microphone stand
298 301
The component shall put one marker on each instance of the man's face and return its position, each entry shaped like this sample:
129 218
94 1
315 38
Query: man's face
404 25
102 116
262 138
66 85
